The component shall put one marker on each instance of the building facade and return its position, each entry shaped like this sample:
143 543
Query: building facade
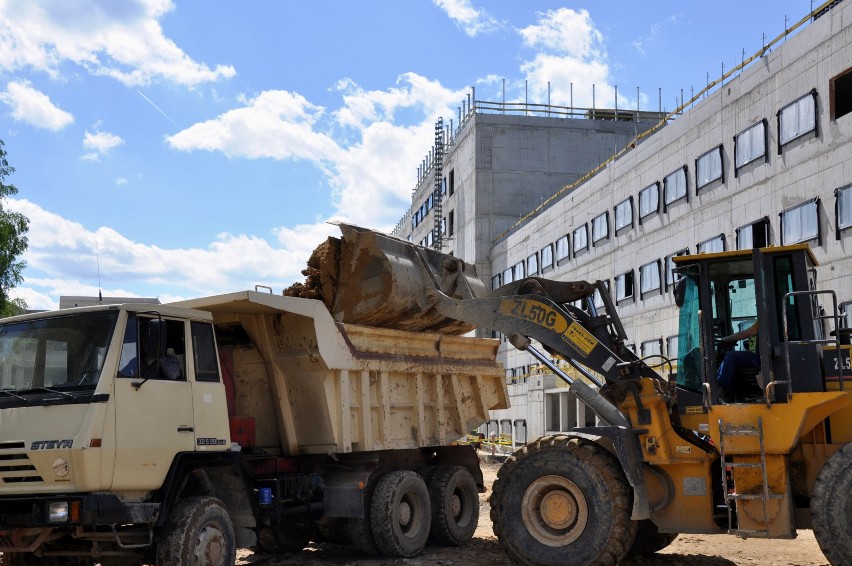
763 159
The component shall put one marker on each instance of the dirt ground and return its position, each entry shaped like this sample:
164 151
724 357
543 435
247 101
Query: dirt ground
483 550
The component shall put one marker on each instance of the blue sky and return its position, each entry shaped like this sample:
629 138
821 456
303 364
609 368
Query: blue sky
184 148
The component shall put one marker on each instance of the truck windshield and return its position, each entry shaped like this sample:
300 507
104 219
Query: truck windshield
55 356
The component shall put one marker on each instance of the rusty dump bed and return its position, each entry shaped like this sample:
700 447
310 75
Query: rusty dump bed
372 279
316 386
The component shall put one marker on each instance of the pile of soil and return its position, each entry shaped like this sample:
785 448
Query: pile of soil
321 275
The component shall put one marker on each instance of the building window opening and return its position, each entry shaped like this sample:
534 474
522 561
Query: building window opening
671 276
624 214
649 278
452 223
750 144
581 238
624 287
649 201
600 228
708 167
840 94
843 207
800 223
562 250
797 118
532 265
754 235
547 257
674 186
713 245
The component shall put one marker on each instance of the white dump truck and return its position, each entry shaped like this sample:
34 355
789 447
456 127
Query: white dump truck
176 434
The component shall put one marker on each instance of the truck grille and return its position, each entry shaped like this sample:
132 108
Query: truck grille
15 465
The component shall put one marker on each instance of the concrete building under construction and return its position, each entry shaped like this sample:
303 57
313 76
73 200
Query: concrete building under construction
763 157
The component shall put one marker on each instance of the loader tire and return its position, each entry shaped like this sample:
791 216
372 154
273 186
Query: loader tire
199 532
649 539
401 514
831 507
562 500
455 505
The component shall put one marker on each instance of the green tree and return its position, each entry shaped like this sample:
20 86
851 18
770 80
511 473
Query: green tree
13 242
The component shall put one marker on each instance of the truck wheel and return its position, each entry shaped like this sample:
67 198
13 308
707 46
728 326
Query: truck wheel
562 500
198 532
283 539
831 507
455 505
400 514
649 539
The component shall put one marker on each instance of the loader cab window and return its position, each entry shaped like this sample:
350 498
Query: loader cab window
690 370
153 348
784 284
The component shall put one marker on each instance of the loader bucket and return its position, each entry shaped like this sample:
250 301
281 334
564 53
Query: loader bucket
386 282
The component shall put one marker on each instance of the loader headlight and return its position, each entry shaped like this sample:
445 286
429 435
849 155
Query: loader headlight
57 512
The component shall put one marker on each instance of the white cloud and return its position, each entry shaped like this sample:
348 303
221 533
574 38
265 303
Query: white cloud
370 171
123 40
567 49
651 38
101 142
469 19
34 107
66 256
275 124
121 181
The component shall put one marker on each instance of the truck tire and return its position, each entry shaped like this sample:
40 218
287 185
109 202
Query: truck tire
562 500
831 507
455 505
649 539
199 532
400 514
284 538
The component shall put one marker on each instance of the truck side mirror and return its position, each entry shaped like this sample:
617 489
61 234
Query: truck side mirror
680 292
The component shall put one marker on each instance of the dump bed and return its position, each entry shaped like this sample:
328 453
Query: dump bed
314 385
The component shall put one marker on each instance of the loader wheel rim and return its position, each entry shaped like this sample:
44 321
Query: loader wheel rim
554 511
210 547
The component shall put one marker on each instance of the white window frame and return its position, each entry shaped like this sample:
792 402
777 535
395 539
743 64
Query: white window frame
649 279
677 181
708 168
623 214
750 145
546 254
703 246
581 243
600 228
797 119
646 211
794 214
532 264
563 250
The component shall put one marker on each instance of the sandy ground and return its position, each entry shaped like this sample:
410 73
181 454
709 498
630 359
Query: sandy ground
483 550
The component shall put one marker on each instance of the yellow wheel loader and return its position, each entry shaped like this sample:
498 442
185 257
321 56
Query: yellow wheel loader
762 453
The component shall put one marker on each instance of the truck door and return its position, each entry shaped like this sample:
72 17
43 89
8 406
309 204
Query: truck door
210 403
153 409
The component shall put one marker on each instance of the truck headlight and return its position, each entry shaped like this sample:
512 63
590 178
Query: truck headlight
57 512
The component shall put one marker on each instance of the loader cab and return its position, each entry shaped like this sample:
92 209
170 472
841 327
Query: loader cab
724 293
